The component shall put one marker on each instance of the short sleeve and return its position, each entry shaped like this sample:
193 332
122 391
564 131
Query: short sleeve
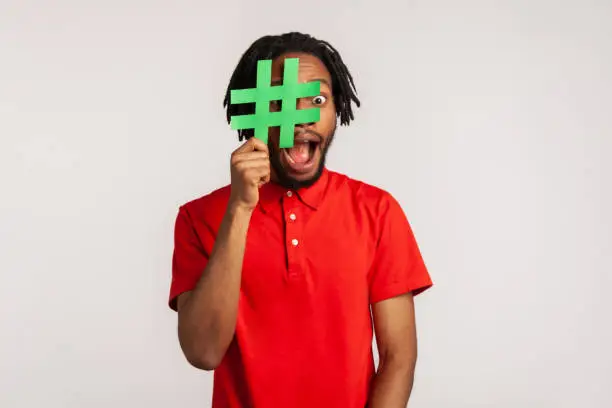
398 266
191 253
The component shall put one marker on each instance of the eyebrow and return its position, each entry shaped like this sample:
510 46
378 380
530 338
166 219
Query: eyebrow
322 80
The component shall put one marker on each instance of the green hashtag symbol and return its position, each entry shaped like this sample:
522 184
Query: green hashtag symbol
264 93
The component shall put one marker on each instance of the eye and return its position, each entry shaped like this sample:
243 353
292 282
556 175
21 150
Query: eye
319 100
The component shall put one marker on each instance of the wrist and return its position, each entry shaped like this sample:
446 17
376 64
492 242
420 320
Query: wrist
237 211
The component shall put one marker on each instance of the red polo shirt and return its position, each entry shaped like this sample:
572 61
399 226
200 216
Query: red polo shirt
315 260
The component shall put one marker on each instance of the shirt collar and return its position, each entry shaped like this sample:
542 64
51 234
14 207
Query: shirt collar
312 196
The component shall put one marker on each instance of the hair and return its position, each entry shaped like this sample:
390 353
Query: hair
270 47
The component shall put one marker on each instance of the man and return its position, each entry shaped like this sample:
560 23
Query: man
280 277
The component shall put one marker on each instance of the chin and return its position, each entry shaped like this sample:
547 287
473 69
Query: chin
302 176
295 176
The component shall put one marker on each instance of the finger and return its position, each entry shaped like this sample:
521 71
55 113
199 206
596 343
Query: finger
245 165
265 179
259 145
257 175
251 145
254 155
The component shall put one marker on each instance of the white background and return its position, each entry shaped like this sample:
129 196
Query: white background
490 121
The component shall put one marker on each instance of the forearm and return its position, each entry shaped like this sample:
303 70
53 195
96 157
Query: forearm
392 384
207 317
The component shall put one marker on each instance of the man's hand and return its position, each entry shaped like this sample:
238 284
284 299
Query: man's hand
250 169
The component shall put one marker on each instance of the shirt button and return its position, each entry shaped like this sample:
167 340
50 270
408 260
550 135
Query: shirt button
294 242
292 217
289 193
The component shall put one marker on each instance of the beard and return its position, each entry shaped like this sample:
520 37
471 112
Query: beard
284 179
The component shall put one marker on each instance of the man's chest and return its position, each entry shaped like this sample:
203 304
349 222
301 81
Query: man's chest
296 252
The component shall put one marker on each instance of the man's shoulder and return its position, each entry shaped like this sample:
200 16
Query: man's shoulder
372 201
367 193
208 207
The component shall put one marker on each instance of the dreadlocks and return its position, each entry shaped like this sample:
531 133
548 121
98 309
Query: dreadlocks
270 47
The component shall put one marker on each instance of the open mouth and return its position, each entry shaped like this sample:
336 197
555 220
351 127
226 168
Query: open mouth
301 157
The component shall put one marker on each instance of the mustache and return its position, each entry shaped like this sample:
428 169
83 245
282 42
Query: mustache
309 132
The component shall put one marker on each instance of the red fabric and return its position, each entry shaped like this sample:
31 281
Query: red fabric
304 331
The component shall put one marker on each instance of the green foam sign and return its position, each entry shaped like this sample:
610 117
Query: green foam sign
264 93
